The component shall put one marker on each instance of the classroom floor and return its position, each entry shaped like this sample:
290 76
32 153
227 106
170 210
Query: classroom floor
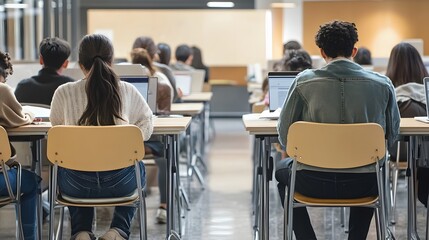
223 209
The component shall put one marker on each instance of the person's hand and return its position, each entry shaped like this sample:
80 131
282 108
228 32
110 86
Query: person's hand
179 93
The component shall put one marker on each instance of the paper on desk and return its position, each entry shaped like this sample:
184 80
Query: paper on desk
39 112
422 119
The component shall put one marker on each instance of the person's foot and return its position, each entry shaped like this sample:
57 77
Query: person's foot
161 215
112 234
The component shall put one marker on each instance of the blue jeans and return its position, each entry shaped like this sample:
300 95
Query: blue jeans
117 183
29 185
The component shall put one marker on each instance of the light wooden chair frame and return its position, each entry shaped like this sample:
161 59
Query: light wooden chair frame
335 147
5 156
95 148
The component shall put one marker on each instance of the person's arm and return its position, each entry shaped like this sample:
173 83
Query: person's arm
11 112
57 108
140 114
393 118
290 113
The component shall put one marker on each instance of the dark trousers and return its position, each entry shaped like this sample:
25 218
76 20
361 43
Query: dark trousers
328 185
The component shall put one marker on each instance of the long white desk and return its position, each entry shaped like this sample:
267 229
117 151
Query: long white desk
169 128
263 130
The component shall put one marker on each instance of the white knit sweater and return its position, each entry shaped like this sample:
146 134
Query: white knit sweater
69 103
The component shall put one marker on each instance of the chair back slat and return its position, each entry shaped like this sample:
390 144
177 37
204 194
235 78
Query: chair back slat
336 146
5 151
95 148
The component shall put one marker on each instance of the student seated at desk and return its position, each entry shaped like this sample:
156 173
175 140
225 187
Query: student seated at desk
154 145
164 88
53 54
184 57
160 59
12 115
406 70
99 99
340 92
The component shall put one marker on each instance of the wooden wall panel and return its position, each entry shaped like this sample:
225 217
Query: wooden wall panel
226 37
381 24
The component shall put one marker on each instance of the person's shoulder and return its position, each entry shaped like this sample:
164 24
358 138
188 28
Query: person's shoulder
26 81
66 79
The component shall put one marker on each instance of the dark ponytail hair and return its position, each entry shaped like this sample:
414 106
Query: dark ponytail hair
102 84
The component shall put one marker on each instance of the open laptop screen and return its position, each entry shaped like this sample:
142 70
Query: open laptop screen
147 87
279 84
184 81
426 83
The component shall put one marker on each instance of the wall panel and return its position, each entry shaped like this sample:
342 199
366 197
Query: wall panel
381 24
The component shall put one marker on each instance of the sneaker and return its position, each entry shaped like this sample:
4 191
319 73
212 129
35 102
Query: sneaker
161 215
83 236
112 234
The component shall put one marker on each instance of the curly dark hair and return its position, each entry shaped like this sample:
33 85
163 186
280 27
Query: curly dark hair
337 38
5 65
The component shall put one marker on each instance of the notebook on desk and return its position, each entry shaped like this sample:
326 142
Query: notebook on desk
147 87
279 84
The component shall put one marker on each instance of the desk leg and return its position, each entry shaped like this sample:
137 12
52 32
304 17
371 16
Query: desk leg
264 231
38 146
411 229
171 158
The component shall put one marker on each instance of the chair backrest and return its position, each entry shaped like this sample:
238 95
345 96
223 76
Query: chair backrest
5 151
95 148
336 146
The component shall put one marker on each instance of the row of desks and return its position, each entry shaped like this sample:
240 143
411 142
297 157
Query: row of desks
168 127
264 130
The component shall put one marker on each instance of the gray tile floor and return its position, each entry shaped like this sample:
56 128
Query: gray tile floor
223 209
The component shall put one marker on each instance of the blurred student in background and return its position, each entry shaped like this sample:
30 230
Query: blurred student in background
406 70
197 62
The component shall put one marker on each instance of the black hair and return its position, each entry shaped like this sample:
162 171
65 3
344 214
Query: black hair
102 83
337 38
164 52
183 52
6 68
296 60
54 52
363 56
197 60
291 45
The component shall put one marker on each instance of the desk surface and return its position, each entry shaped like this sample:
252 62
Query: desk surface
188 109
256 126
161 126
198 97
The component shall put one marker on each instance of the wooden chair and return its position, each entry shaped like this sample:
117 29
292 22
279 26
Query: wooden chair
5 156
335 147
94 149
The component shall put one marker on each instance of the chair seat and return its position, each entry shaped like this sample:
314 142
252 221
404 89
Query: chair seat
335 202
73 201
4 200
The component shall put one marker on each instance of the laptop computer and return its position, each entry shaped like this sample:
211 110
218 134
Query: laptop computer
184 81
425 119
120 69
147 87
197 80
279 84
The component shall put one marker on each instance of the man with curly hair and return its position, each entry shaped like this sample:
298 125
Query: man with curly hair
340 92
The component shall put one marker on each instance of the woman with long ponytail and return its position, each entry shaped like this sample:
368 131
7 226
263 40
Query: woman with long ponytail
97 100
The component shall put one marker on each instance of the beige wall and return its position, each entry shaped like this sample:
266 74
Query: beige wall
226 37
381 24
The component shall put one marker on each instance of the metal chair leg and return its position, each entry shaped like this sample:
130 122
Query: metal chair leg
59 234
